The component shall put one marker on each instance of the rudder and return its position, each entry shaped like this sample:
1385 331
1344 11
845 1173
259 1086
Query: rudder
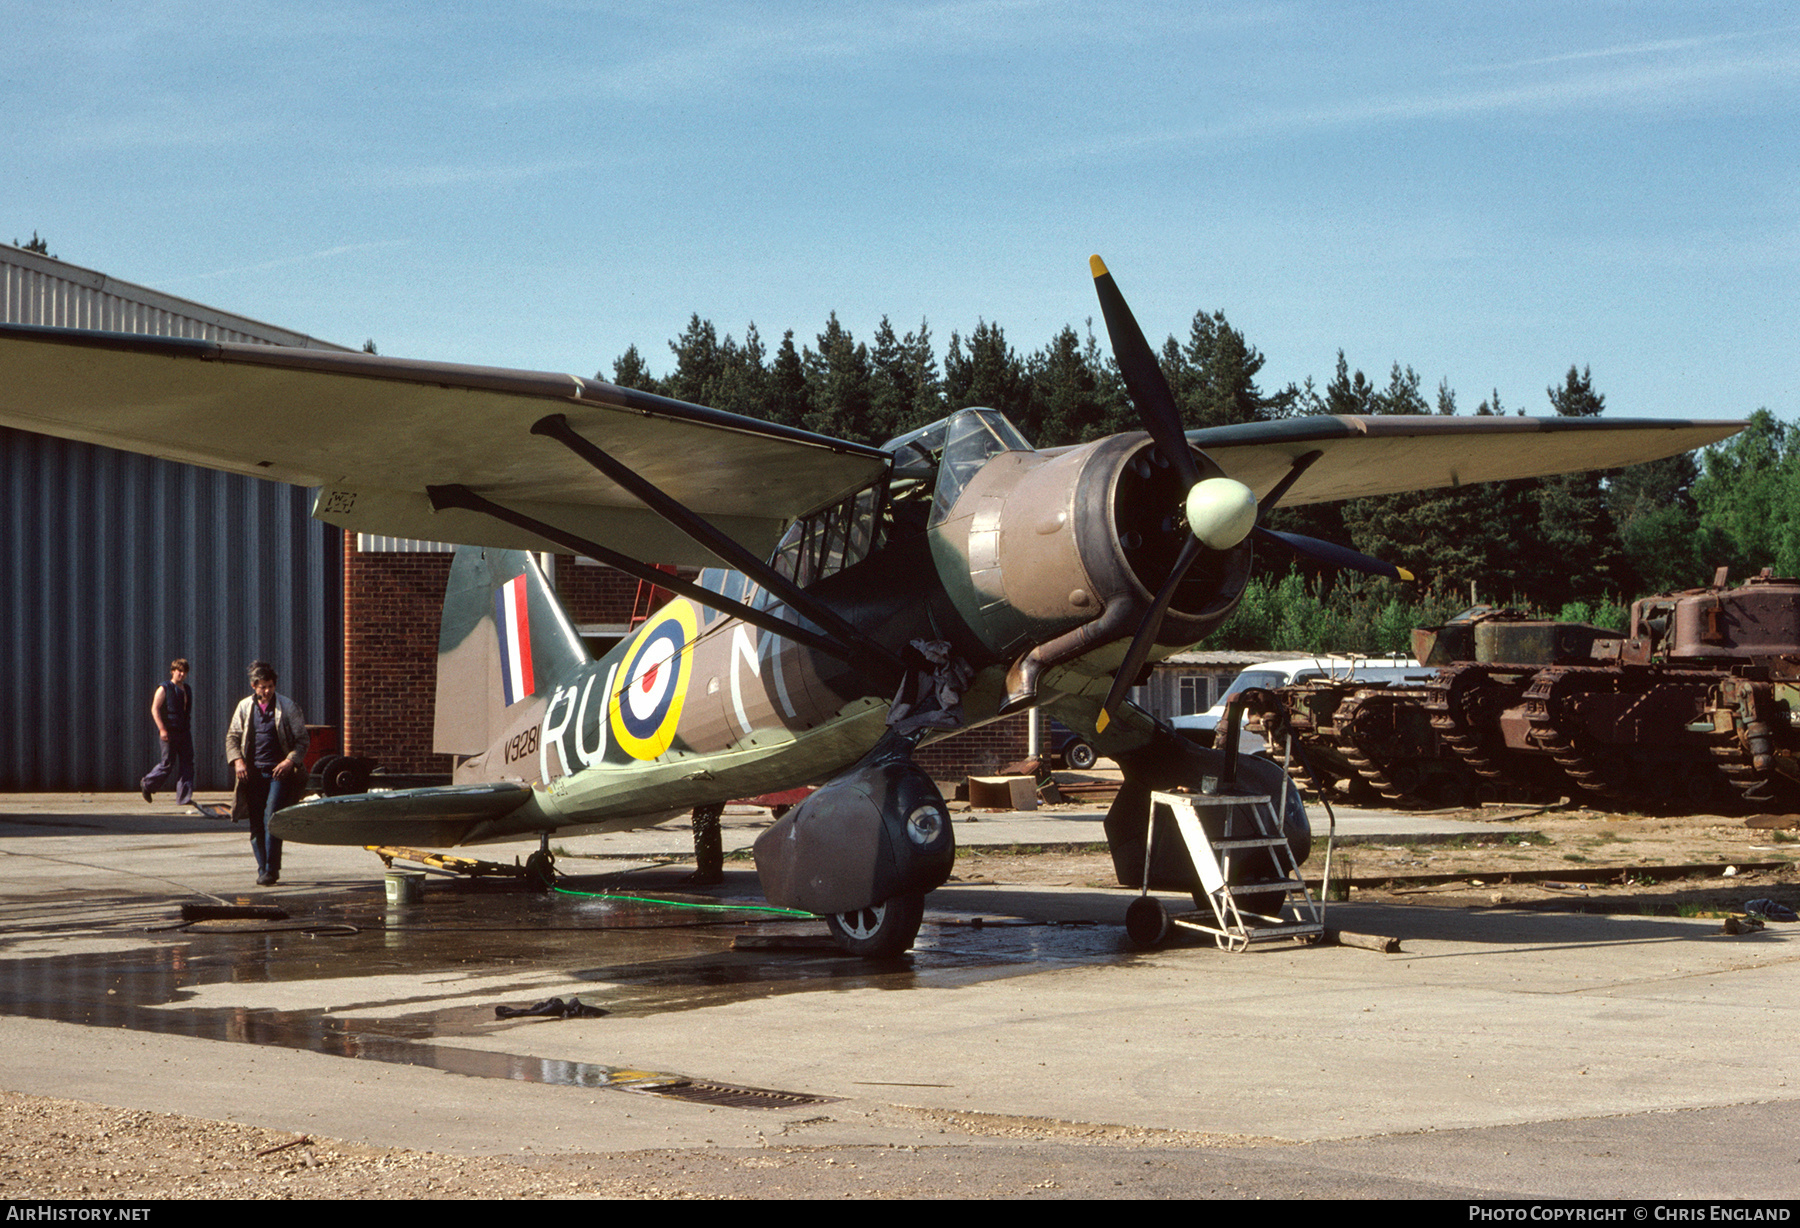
504 639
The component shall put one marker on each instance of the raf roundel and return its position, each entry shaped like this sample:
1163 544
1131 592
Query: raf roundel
646 709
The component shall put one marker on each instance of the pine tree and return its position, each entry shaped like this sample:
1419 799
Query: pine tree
785 396
904 384
630 371
699 363
1402 395
1222 385
988 374
742 386
1578 554
1659 525
1066 393
837 382
1347 394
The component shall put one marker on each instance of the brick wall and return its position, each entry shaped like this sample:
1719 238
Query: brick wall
594 594
981 751
392 603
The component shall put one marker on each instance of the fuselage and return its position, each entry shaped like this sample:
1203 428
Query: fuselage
696 707
1030 566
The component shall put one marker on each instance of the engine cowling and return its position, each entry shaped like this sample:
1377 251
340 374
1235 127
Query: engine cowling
1050 556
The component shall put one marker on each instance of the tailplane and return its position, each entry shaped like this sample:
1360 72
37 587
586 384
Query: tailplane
504 640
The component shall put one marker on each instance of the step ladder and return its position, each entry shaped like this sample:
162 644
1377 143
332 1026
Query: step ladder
1249 828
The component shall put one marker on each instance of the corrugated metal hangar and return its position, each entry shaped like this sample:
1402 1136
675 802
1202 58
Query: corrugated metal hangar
119 563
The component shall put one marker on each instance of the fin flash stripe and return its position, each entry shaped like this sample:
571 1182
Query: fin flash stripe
512 620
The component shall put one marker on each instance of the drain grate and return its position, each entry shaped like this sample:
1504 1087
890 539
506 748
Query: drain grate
697 1092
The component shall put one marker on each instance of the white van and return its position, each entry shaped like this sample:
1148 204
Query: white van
1271 675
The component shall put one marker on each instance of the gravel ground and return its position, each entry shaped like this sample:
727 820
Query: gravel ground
66 1149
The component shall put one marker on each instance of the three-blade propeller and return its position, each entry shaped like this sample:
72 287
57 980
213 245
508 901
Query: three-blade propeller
1219 512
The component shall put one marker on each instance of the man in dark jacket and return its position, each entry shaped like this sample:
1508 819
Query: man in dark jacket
266 745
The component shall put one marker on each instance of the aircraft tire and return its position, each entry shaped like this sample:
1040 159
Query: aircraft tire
343 777
322 772
1147 922
880 931
540 871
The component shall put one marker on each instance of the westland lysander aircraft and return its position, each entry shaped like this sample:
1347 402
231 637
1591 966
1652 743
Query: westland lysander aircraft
857 600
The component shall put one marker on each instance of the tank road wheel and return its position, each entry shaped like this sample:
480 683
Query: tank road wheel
880 931
1147 922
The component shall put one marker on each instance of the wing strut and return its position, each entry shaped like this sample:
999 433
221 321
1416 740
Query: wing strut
467 500
557 427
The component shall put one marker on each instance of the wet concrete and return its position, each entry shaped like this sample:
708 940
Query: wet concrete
641 944
349 1019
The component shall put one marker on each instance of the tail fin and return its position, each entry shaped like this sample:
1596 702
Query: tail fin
504 639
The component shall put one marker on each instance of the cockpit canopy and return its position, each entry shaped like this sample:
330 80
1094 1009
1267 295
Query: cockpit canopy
950 451
931 466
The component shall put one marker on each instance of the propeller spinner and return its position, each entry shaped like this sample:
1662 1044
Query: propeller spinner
1219 512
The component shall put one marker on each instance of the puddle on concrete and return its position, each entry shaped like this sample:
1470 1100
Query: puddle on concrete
500 946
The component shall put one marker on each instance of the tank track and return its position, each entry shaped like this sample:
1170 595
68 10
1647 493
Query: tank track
1679 765
1756 717
1462 702
1733 761
1371 730
1549 702
1304 726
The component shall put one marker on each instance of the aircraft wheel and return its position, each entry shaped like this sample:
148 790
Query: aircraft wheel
323 769
1147 922
343 776
540 871
882 930
1080 756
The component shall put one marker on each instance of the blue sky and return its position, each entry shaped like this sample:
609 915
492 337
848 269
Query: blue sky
1487 192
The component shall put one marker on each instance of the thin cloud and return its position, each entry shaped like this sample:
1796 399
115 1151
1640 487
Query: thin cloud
717 57
444 176
1656 47
1659 86
161 124
329 253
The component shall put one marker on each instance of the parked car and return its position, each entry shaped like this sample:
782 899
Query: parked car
1069 748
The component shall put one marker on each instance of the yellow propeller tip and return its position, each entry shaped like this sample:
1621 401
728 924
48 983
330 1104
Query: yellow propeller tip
1406 575
1103 720
1097 265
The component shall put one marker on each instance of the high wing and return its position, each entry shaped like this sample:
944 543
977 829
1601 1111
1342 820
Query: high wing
1390 453
374 432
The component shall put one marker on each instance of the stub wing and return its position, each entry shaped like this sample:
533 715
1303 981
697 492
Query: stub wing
436 818
372 433
1389 454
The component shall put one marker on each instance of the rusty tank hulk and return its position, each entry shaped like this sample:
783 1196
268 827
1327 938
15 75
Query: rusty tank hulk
1694 706
1371 741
